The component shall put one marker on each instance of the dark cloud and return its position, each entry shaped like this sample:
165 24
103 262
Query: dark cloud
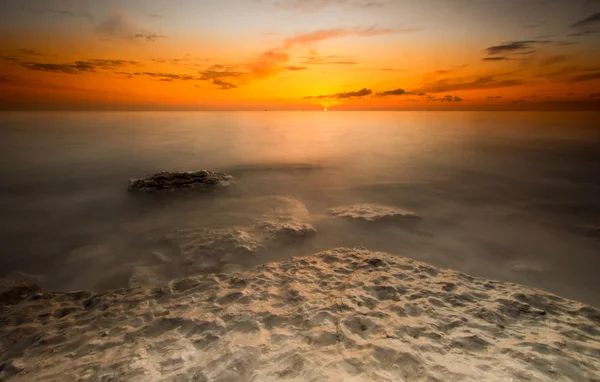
215 74
469 83
223 85
595 95
394 92
493 97
150 37
566 43
495 58
167 76
295 68
360 93
586 77
551 60
583 32
76 67
447 98
587 22
29 52
5 79
514 47
60 12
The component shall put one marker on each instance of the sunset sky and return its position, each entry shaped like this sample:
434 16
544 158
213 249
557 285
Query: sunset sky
300 54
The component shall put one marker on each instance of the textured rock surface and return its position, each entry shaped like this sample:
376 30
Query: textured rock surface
374 213
344 314
177 181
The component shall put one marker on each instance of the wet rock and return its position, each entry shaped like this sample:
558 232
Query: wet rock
181 181
13 291
373 213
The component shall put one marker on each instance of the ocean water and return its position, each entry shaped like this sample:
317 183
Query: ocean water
513 196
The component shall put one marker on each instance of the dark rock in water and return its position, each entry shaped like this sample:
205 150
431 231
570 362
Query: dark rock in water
175 181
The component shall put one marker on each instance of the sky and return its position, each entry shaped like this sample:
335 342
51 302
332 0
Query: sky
300 54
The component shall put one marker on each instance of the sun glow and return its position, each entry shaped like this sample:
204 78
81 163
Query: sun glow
325 109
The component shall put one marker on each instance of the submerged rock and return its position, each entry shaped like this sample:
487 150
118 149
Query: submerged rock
189 181
374 213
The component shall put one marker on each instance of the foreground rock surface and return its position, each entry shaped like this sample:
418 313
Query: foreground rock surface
178 181
344 314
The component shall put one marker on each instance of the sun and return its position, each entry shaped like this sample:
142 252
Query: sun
325 109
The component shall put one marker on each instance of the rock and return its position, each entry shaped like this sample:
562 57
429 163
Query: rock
374 213
179 181
13 291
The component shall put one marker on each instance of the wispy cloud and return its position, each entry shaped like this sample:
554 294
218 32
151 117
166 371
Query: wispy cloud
586 77
150 37
328 34
223 85
514 47
316 5
60 12
76 67
588 21
344 95
469 83
332 59
29 52
118 26
293 68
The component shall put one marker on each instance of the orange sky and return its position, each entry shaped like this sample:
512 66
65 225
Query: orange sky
300 54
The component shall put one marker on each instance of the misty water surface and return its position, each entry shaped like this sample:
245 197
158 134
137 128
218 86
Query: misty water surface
509 196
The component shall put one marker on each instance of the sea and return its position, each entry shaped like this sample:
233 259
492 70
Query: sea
511 196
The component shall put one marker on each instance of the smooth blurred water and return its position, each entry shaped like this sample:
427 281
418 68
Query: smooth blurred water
510 196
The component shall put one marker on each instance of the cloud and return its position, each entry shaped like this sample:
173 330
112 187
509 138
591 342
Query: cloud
76 67
167 76
29 52
150 37
588 21
120 27
514 47
224 85
295 68
269 63
495 58
595 95
585 77
214 74
447 98
360 93
551 60
327 34
5 79
316 5
60 12
331 59
469 83
394 92
493 97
